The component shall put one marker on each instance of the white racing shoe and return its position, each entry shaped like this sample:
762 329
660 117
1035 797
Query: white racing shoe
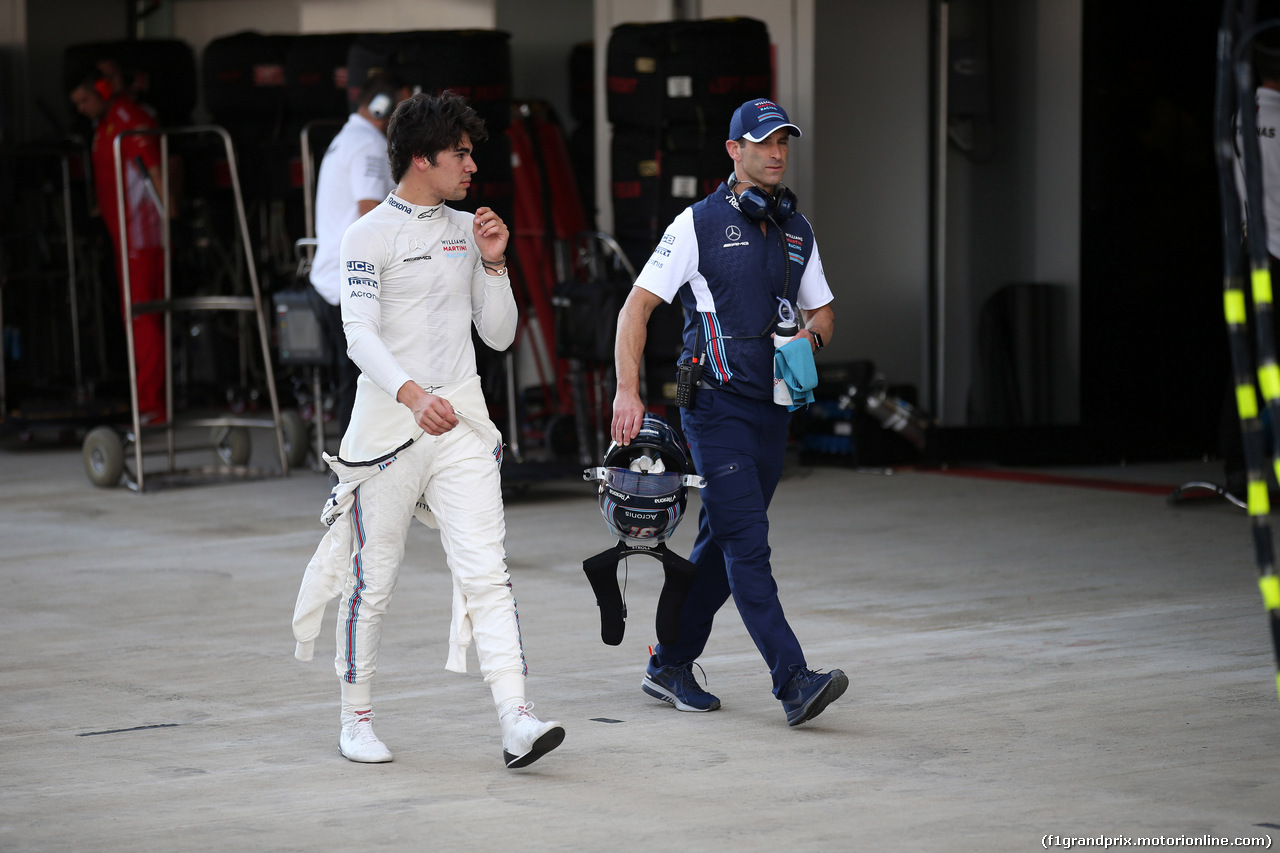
358 742
525 738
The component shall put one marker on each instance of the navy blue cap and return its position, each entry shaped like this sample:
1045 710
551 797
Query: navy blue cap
758 118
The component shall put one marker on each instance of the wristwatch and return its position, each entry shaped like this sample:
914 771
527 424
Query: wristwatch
817 338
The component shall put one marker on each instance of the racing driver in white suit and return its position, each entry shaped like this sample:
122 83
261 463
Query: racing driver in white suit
416 276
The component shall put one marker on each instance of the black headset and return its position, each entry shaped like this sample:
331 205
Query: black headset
757 205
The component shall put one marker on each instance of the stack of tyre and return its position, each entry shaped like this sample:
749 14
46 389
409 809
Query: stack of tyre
474 63
266 88
671 89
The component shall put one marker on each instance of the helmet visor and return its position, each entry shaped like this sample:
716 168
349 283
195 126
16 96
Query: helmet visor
642 485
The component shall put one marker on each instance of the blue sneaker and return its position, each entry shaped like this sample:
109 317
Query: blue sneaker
809 692
676 685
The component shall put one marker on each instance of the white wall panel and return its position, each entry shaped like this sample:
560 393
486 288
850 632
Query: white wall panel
198 22
870 206
330 16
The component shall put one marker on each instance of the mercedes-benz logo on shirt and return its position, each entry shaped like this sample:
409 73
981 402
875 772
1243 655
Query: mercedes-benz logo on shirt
416 245
733 232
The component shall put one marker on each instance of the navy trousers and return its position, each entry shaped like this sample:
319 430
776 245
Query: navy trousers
738 444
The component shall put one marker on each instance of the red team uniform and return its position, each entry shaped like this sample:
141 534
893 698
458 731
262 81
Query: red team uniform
145 252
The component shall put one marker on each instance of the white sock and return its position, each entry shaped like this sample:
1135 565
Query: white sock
509 707
508 692
356 697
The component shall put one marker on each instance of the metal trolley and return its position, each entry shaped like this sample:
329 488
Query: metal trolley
105 448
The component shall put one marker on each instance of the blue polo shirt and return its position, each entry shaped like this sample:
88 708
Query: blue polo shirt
729 276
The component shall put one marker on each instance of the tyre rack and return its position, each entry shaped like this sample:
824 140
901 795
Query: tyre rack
81 394
225 435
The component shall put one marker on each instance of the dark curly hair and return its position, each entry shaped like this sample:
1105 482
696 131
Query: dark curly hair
424 125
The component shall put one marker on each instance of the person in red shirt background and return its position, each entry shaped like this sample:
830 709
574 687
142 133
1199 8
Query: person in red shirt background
113 112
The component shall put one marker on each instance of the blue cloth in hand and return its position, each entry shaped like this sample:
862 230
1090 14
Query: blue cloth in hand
793 364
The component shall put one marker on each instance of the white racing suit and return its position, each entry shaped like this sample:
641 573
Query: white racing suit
413 286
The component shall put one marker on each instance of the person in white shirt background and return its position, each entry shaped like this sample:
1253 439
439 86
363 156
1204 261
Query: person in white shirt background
354 177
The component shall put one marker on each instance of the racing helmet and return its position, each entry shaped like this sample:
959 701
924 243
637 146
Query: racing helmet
644 485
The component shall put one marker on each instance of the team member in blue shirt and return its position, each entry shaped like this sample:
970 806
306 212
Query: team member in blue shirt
738 259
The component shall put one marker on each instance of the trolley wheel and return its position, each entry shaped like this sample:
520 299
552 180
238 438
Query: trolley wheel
104 457
233 445
297 438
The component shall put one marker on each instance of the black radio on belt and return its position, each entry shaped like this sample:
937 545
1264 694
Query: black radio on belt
687 375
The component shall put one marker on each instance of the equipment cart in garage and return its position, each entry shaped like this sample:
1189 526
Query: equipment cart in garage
113 455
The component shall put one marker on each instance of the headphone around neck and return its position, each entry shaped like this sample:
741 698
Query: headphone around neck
757 205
